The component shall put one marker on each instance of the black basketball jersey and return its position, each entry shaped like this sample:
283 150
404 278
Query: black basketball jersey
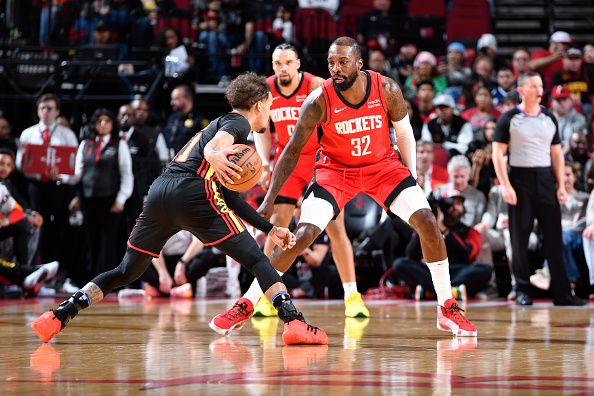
190 159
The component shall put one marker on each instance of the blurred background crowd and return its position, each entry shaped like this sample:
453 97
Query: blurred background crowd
145 75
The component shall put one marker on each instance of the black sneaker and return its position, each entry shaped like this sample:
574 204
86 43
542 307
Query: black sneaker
523 299
570 300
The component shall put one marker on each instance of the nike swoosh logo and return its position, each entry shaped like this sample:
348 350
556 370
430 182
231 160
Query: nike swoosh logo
275 98
339 110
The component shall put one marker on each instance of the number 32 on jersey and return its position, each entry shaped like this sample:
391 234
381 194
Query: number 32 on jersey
360 146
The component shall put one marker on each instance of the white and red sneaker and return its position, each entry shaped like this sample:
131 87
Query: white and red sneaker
451 318
234 318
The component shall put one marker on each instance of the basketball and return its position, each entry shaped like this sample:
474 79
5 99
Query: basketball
251 166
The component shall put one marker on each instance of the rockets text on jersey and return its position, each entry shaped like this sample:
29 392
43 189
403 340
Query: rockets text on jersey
285 110
356 135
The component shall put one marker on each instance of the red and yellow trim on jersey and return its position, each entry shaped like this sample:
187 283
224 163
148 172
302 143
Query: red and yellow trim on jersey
217 202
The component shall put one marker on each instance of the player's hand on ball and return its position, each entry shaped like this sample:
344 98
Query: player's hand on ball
265 178
282 237
224 168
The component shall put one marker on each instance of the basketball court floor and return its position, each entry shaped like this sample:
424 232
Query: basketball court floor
165 347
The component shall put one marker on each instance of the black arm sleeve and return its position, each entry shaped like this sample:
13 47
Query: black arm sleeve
245 211
502 129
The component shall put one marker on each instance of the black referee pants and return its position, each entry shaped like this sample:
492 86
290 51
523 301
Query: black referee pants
536 192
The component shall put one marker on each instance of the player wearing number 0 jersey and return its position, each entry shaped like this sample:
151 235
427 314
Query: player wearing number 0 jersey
355 109
284 113
289 88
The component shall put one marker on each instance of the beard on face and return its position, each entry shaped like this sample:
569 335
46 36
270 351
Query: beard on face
347 82
452 218
284 83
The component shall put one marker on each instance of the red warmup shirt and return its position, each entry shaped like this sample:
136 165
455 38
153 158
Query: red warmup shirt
548 71
284 112
356 134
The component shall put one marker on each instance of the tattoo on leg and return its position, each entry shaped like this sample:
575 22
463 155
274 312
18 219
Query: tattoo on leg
94 292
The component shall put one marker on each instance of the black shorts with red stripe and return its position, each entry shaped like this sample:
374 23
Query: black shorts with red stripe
183 201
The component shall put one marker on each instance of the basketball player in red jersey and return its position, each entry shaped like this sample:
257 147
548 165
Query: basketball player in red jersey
355 108
289 88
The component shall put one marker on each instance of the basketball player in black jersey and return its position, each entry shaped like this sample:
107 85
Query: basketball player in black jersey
188 196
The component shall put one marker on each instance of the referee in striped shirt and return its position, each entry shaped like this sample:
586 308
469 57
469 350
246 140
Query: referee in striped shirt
529 135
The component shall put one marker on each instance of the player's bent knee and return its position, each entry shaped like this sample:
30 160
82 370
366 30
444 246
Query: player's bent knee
316 211
306 233
425 224
408 202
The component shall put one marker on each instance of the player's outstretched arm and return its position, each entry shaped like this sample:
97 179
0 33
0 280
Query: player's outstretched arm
312 113
398 113
245 211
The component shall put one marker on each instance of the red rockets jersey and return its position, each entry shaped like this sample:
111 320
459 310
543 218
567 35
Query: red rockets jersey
284 111
356 135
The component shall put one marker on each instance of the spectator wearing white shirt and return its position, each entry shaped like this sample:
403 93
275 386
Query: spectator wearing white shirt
49 194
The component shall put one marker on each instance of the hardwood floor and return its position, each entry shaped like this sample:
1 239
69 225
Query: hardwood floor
163 347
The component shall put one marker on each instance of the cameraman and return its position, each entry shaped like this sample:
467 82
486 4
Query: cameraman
462 244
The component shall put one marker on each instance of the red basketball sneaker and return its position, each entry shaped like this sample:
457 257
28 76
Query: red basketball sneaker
234 318
300 357
298 331
451 318
47 326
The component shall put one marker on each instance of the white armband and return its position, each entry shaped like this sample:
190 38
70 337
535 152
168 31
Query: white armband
405 139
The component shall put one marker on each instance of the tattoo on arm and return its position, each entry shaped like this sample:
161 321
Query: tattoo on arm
394 100
94 292
311 115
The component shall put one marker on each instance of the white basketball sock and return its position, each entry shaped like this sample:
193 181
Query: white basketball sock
254 293
440 275
349 288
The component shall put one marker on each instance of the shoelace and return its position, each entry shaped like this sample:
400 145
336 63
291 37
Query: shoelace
311 328
456 311
239 309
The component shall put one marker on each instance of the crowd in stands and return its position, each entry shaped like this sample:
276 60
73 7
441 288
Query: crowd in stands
455 98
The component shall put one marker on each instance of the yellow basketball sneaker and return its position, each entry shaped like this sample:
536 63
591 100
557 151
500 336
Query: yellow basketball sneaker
354 328
264 308
354 307
267 329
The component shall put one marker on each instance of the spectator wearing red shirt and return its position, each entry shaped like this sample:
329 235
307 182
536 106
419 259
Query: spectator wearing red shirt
547 61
